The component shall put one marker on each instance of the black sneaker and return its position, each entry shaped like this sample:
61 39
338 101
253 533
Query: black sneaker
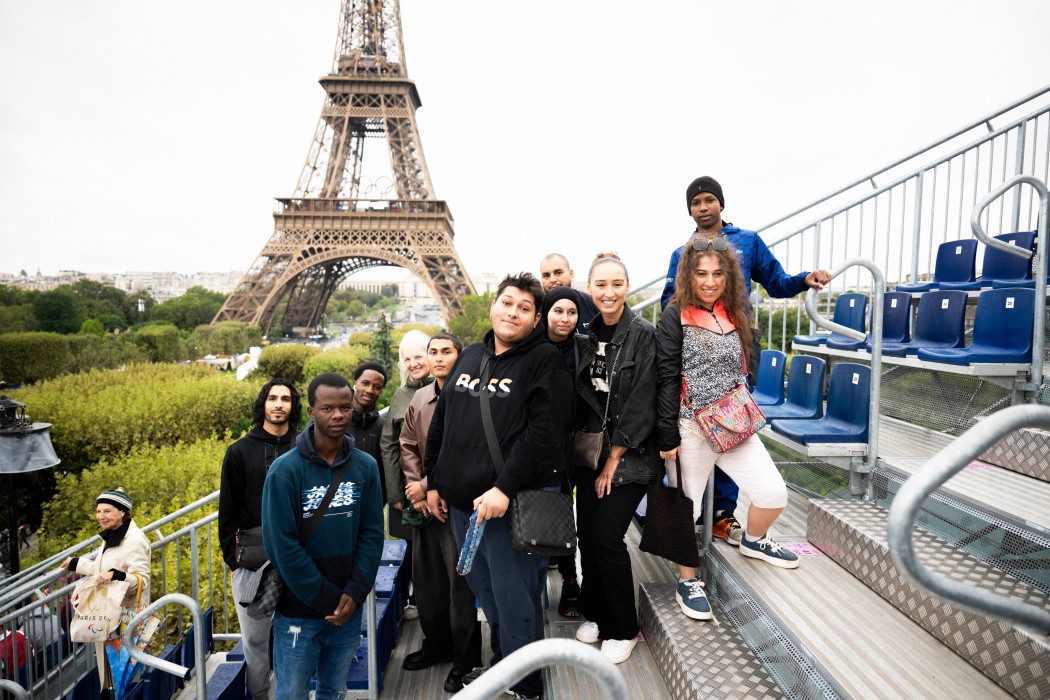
474 674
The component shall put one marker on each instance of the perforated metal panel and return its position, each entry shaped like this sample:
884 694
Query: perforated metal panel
854 534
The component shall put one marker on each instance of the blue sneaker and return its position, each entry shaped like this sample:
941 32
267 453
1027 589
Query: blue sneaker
769 551
692 599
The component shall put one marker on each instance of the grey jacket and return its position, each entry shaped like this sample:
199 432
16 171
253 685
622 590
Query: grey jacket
632 405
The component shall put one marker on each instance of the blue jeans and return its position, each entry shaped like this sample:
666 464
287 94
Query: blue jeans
508 583
303 647
726 492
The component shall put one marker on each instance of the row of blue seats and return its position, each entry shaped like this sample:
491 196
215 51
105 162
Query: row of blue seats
800 414
956 265
1002 328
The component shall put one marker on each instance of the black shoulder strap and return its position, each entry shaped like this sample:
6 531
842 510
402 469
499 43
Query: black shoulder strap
486 415
315 521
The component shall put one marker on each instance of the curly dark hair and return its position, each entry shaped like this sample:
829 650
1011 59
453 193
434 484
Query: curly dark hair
734 296
259 407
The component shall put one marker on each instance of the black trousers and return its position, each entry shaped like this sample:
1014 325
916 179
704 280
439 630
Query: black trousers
445 602
608 584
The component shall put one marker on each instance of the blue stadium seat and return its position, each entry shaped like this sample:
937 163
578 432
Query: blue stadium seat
805 390
769 391
939 323
850 310
955 268
896 319
1004 270
227 682
1002 330
846 420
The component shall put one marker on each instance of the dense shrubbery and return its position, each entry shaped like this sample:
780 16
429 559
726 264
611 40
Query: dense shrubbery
103 414
30 357
224 338
285 360
341 360
160 480
472 322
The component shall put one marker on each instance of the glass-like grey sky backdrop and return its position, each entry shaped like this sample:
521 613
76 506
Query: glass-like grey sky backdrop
154 136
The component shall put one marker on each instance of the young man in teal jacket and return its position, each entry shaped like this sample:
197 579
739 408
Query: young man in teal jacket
317 623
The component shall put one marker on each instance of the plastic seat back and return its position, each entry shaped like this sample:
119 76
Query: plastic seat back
956 265
805 386
849 396
1003 268
940 320
769 390
896 317
1003 322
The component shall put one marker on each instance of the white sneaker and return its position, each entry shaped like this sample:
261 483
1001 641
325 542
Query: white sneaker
411 613
618 650
587 633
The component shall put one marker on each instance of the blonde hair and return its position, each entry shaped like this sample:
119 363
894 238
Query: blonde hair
601 258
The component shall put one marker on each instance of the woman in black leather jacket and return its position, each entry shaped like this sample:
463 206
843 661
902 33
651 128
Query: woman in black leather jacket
617 381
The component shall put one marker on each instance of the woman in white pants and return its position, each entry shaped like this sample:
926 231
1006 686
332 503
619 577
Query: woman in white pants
701 341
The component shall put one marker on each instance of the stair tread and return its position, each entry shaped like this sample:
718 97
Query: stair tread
835 617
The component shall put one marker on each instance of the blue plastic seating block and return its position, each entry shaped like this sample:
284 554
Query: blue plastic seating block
1005 270
955 268
1002 330
939 323
237 653
357 678
386 580
805 390
850 310
393 551
896 319
227 682
769 391
846 419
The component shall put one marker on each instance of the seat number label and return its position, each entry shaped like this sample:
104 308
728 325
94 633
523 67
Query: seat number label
1009 302
856 378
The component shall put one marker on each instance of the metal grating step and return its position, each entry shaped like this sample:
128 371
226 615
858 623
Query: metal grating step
699 659
853 533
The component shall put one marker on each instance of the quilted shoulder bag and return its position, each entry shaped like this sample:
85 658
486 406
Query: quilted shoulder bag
542 522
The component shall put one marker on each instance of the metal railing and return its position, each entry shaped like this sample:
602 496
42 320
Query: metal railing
146 659
539 654
879 287
933 474
901 223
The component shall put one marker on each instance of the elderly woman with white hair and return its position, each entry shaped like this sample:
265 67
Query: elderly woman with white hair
415 373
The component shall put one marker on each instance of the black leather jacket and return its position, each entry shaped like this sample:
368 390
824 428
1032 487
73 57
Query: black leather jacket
632 406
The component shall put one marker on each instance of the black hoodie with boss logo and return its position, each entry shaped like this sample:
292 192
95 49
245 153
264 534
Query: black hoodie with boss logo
531 399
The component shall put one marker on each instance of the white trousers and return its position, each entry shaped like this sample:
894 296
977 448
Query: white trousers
748 464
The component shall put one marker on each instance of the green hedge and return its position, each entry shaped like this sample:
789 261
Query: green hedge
341 361
286 361
102 414
31 357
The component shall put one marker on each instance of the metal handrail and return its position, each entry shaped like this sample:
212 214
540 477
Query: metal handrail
879 293
935 472
545 652
18 691
1039 326
200 680
986 121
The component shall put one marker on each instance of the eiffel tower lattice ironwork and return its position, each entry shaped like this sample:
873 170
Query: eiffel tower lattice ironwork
333 225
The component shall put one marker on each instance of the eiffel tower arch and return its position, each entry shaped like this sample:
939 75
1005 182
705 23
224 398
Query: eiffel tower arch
341 218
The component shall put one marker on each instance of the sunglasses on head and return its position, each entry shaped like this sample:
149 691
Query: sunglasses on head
701 243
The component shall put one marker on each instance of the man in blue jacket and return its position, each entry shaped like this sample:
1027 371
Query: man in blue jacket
705 203
317 623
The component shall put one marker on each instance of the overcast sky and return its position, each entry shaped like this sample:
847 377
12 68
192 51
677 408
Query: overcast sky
154 136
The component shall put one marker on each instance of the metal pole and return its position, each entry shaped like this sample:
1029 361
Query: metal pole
916 228
201 680
373 646
18 691
1022 133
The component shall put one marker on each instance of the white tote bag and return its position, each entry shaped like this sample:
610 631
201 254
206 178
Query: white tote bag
96 609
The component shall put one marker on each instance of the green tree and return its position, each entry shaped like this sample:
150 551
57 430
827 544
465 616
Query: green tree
17 318
92 326
56 311
101 301
160 342
382 348
472 322
197 306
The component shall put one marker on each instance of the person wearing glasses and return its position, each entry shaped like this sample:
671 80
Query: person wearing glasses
705 202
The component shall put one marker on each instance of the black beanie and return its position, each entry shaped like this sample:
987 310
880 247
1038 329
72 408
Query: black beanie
705 183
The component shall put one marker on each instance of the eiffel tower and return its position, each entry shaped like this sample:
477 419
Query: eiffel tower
341 218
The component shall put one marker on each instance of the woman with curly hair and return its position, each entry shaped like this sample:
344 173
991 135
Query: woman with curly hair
702 341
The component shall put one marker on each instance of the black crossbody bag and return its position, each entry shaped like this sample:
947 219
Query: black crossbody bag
542 522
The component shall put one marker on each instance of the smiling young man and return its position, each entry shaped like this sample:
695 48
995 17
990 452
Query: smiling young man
276 415
366 425
530 392
317 623
705 202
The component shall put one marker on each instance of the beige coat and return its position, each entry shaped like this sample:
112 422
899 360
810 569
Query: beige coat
132 556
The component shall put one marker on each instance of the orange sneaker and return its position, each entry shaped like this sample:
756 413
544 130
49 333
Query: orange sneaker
728 529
